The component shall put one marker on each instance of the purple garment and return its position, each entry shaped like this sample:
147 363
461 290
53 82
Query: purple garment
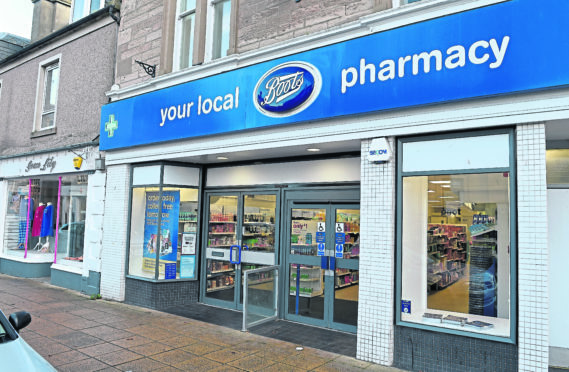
38 218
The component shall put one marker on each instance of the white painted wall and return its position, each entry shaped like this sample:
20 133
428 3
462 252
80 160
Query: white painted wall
414 243
558 220
93 243
330 170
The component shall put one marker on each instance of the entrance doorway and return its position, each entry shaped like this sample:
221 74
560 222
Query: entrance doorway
241 234
322 264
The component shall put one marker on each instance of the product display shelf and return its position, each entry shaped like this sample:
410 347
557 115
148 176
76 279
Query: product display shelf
261 281
483 272
346 285
222 288
351 251
221 272
446 255
310 281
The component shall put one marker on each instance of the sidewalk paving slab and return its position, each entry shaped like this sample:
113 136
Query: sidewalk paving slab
75 333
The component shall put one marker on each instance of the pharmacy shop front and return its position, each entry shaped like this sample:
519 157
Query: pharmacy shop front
405 202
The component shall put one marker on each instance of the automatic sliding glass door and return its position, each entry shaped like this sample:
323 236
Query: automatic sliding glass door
241 235
323 265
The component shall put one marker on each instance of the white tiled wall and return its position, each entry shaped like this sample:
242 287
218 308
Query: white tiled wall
113 256
377 259
94 222
533 256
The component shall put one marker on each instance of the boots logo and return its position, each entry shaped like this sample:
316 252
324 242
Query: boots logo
287 89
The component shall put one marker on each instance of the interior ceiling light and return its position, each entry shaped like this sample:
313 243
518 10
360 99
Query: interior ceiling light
446 186
222 158
313 149
436 181
431 190
434 201
447 197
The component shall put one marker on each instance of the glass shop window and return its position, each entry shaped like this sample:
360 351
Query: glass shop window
455 240
164 227
43 209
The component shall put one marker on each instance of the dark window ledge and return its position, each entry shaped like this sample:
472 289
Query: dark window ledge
43 132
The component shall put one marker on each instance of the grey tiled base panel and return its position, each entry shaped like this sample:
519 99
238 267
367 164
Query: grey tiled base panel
160 295
426 351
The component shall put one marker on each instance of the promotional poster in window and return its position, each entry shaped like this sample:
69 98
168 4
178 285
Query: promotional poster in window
169 207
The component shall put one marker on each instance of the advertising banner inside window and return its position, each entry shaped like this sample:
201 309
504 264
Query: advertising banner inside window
163 229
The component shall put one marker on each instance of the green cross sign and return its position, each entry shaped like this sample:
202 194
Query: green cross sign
111 126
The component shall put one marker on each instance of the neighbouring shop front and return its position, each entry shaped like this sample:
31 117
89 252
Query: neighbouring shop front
420 226
45 200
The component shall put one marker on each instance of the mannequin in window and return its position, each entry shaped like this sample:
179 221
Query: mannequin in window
23 218
36 227
46 226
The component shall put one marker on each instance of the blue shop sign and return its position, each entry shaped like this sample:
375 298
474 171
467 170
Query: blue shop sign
509 47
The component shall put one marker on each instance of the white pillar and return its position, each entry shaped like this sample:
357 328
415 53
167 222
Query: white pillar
377 260
533 254
113 256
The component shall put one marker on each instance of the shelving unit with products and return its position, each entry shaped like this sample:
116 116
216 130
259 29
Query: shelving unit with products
346 278
221 232
310 281
259 230
352 242
220 276
351 223
483 270
303 239
447 251
259 278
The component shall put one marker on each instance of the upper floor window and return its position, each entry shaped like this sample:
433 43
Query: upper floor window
185 30
221 28
82 8
47 95
203 30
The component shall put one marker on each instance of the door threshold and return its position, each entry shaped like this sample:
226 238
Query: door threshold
331 340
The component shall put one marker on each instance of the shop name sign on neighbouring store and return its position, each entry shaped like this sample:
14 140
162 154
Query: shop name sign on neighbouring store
56 162
444 59
49 164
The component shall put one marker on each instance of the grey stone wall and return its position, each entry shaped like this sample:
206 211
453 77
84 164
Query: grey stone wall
140 38
265 22
86 73
259 23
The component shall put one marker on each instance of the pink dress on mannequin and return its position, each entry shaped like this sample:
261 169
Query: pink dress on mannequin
38 217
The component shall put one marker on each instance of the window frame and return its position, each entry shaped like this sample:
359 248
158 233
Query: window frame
86 9
203 32
511 339
179 19
44 67
210 39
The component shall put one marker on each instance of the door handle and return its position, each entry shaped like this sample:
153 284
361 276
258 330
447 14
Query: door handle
235 255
